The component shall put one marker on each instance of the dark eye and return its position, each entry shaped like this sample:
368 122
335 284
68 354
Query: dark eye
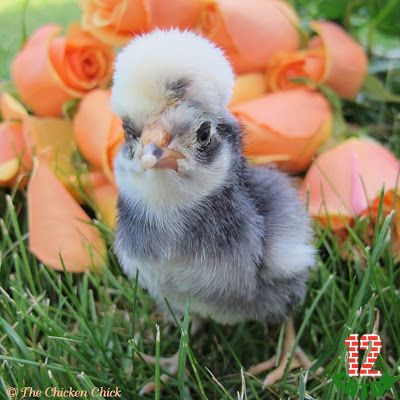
204 134
131 131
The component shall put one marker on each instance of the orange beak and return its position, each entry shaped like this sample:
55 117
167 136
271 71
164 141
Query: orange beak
155 153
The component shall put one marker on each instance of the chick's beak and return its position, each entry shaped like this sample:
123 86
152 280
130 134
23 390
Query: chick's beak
155 153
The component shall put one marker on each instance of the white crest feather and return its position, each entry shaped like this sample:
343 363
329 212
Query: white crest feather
149 62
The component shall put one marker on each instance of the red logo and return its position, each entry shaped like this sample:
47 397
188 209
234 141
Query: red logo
369 342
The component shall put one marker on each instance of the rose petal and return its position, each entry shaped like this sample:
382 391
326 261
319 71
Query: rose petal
286 66
12 141
346 61
343 182
59 227
52 138
132 17
97 131
285 126
251 31
176 13
248 87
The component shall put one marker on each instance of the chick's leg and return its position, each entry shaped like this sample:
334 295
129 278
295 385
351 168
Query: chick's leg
168 364
299 359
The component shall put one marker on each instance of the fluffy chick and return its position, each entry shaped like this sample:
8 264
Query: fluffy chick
193 217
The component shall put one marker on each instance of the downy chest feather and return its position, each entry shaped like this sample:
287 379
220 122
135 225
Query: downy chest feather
199 251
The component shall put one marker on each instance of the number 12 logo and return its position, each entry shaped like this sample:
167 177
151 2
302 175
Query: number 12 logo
353 345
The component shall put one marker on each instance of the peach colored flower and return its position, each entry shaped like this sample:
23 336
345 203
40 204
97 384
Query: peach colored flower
285 127
250 31
346 181
332 58
286 66
98 132
116 21
51 70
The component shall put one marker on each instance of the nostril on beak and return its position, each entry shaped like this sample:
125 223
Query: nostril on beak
151 154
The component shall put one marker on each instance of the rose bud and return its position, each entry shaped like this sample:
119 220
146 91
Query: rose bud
250 31
344 182
98 131
285 127
333 58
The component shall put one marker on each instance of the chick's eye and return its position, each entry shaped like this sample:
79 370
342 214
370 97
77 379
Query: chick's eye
204 134
131 132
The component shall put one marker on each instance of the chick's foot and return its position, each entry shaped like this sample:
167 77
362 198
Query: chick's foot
167 364
299 359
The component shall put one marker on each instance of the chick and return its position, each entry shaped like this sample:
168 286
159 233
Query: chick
194 219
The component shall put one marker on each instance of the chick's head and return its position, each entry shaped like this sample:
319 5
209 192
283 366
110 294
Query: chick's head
171 89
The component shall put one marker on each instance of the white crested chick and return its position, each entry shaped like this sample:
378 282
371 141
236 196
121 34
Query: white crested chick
194 218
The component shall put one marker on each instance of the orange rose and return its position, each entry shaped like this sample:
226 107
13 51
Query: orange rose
98 132
285 127
332 57
286 66
344 182
116 21
251 31
51 70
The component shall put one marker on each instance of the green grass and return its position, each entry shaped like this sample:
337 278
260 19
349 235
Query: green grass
62 330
